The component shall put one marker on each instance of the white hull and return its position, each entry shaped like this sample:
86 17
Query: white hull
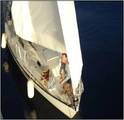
68 111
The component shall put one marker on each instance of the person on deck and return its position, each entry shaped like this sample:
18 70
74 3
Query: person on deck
47 77
65 77
64 69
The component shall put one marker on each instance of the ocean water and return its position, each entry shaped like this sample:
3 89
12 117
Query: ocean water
100 29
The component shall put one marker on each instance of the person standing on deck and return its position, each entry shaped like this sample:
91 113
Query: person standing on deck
66 77
64 69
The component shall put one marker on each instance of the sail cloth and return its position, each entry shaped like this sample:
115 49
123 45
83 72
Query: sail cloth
39 22
71 37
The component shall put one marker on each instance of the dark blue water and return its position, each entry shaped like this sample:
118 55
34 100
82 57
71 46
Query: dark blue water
100 28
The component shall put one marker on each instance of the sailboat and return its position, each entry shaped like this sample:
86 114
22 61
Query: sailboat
37 35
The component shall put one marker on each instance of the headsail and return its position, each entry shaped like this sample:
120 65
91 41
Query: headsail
51 24
39 22
71 38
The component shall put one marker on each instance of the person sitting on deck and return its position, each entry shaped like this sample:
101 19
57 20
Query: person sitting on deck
47 77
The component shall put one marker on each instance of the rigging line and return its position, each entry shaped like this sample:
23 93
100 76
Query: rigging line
52 58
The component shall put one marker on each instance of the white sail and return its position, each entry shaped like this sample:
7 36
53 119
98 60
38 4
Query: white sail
39 22
51 24
71 38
